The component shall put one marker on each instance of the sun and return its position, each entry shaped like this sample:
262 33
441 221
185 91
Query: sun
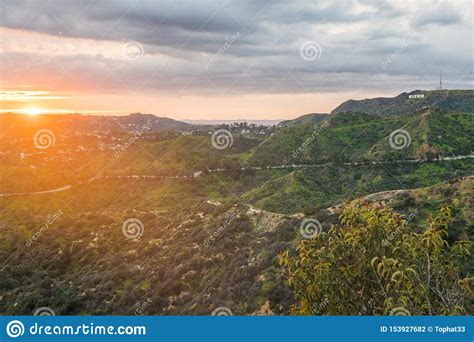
33 111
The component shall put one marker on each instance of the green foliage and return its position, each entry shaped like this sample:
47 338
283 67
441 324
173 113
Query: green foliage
304 119
84 265
372 263
356 136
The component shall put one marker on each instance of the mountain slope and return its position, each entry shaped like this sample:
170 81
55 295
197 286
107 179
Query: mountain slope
304 119
419 203
310 189
453 100
175 266
430 133
357 136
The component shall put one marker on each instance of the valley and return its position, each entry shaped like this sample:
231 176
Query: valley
153 211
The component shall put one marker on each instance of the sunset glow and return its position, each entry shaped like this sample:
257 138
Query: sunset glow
33 111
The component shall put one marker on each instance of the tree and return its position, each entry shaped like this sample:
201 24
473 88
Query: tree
372 263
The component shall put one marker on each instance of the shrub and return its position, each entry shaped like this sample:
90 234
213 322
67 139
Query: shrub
372 263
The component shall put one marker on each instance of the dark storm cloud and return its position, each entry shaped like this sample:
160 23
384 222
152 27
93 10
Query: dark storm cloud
441 14
356 39
170 23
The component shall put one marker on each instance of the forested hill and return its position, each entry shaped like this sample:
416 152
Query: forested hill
13 124
408 103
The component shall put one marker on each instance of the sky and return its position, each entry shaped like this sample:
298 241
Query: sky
247 59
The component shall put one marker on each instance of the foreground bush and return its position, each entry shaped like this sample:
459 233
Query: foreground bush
372 263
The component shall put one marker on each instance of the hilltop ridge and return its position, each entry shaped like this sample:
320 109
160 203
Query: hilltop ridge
407 103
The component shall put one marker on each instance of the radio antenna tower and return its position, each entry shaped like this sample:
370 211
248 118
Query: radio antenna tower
440 81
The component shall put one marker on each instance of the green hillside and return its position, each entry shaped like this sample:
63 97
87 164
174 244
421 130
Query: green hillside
432 133
419 203
214 221
304 119
310 189
358 136
174 263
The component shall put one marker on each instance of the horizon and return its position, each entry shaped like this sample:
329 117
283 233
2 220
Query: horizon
199 121
227 60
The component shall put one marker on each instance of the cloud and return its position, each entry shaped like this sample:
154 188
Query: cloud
442 14
187 50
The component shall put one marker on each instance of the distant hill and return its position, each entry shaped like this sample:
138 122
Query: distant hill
15 124
157 123
454 100
304 119
232 121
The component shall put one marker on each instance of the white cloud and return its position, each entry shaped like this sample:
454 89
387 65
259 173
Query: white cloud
356 38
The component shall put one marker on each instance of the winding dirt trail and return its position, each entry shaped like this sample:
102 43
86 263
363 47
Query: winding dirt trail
270 167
